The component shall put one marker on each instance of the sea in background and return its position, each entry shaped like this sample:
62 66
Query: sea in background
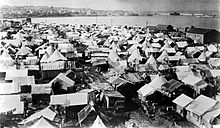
176 21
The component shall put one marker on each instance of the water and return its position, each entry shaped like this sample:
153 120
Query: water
176 21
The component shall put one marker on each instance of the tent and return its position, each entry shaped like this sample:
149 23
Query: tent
152 63
182 100
72 99
202 57
191 80
12 73
198 107
135 56
44 57
113 56
115 47
166 45
158 81
11 103
61 81
56 56
46 112
50 50
43 122
144 91
195 82
133 48
9 88
212 48
55 62
5 56
98 123
24 51
5 59
209 117
162 56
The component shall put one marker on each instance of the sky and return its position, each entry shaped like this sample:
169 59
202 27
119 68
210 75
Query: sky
134 5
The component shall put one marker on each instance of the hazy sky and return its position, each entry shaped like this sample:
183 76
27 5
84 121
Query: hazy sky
136 5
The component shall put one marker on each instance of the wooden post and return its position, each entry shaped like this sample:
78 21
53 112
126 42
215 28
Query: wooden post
146 23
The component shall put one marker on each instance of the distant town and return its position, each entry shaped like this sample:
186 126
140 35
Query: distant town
45 11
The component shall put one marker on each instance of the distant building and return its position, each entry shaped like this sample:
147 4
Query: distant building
203 36
165 28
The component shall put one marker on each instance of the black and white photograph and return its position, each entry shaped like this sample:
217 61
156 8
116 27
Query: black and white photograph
109 63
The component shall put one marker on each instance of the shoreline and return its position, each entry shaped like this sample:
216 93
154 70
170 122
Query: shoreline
110 16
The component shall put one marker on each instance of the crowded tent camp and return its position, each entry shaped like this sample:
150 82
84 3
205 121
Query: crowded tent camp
62 75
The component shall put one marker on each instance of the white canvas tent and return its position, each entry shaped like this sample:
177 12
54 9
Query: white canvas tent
152 63
158 81
182 100
46 112
113 56
135 56
5 59
9 88
201 105
65 81
23 51
56 56
72 99
144 91
43 122
44 57
12 73
98 123
11 103
163 55
202 57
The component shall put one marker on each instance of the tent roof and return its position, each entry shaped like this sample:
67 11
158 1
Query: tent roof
11 102
50 50
191 80
9 88
46 112
182 75
5 56
158 81
64 78
151 63
202 57
146 90
166 45
45 57
162 56
212 48
23 51
72 99
56 56
201 105
12 73
98 123
135 55
113 56
43 122
151 60
214 112
182 100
